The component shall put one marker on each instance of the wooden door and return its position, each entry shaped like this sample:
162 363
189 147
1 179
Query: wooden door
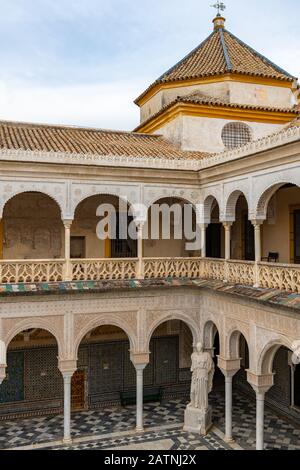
78 391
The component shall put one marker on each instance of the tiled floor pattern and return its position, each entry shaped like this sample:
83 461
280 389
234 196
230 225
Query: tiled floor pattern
174 439
279 434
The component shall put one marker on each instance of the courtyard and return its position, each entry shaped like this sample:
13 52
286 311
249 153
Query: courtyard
114 428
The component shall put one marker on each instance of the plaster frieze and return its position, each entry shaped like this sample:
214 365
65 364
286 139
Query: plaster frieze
53 324
54 189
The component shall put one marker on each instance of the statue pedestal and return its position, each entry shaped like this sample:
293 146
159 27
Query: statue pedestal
197 421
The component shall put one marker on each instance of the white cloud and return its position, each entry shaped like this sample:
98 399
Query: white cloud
108 105
55 55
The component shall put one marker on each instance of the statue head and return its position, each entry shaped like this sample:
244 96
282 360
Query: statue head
199 347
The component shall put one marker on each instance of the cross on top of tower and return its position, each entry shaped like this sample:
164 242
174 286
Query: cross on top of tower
220 6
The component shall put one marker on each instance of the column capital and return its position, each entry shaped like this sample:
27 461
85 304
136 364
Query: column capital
227 223
140 223
67 366
140 359
260 383
67 223
257 222
229 367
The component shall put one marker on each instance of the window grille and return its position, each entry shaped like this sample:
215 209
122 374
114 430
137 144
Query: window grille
236 134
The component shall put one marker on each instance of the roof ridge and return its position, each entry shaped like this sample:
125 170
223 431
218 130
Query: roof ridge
225 51
261 56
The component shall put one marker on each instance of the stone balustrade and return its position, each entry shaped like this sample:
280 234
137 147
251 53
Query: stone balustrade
157 268
103 269
28 271
267 275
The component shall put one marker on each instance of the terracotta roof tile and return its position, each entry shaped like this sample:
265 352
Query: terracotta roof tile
220 53
78 140
200 99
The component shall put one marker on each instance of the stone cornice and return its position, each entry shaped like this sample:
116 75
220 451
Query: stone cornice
97 160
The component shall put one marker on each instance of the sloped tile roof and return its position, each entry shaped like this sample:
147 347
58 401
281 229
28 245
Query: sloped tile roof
199 98
221 53
78 140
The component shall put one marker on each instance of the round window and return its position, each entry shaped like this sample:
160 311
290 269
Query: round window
236 134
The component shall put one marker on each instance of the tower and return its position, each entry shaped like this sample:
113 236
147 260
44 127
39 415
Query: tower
222 95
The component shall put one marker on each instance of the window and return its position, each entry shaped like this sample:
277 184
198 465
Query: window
236 134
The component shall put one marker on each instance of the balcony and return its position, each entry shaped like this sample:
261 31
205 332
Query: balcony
279 276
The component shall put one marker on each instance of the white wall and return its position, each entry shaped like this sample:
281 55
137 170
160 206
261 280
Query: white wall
204 134
232 92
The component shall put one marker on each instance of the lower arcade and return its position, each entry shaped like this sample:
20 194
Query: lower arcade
103 394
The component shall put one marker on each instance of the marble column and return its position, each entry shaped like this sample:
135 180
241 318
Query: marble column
227 227
67 376
228 408
257 241
260 411
140 360
139 396
260 384
229 368
140 270
203 228
68 273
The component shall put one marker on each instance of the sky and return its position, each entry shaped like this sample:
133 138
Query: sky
83 62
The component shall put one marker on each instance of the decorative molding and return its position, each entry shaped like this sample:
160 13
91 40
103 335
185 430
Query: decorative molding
98 160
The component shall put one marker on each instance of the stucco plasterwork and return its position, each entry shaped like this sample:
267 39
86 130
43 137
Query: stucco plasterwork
82 190
127 321
53 324
154 318
55 190
153 193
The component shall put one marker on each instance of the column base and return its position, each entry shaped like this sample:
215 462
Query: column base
139 429
197 421
229 440
68 442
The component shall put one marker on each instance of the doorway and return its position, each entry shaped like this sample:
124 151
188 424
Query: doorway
213 240
78 391
249 246
77 247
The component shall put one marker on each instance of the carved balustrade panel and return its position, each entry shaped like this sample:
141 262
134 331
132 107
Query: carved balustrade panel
241 272
212 268
171 267
12 272
101 269
280 276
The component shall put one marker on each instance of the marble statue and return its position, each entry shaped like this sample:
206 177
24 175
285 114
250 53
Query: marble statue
203 371
197 416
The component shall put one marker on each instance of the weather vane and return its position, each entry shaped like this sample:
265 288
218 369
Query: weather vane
220 6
